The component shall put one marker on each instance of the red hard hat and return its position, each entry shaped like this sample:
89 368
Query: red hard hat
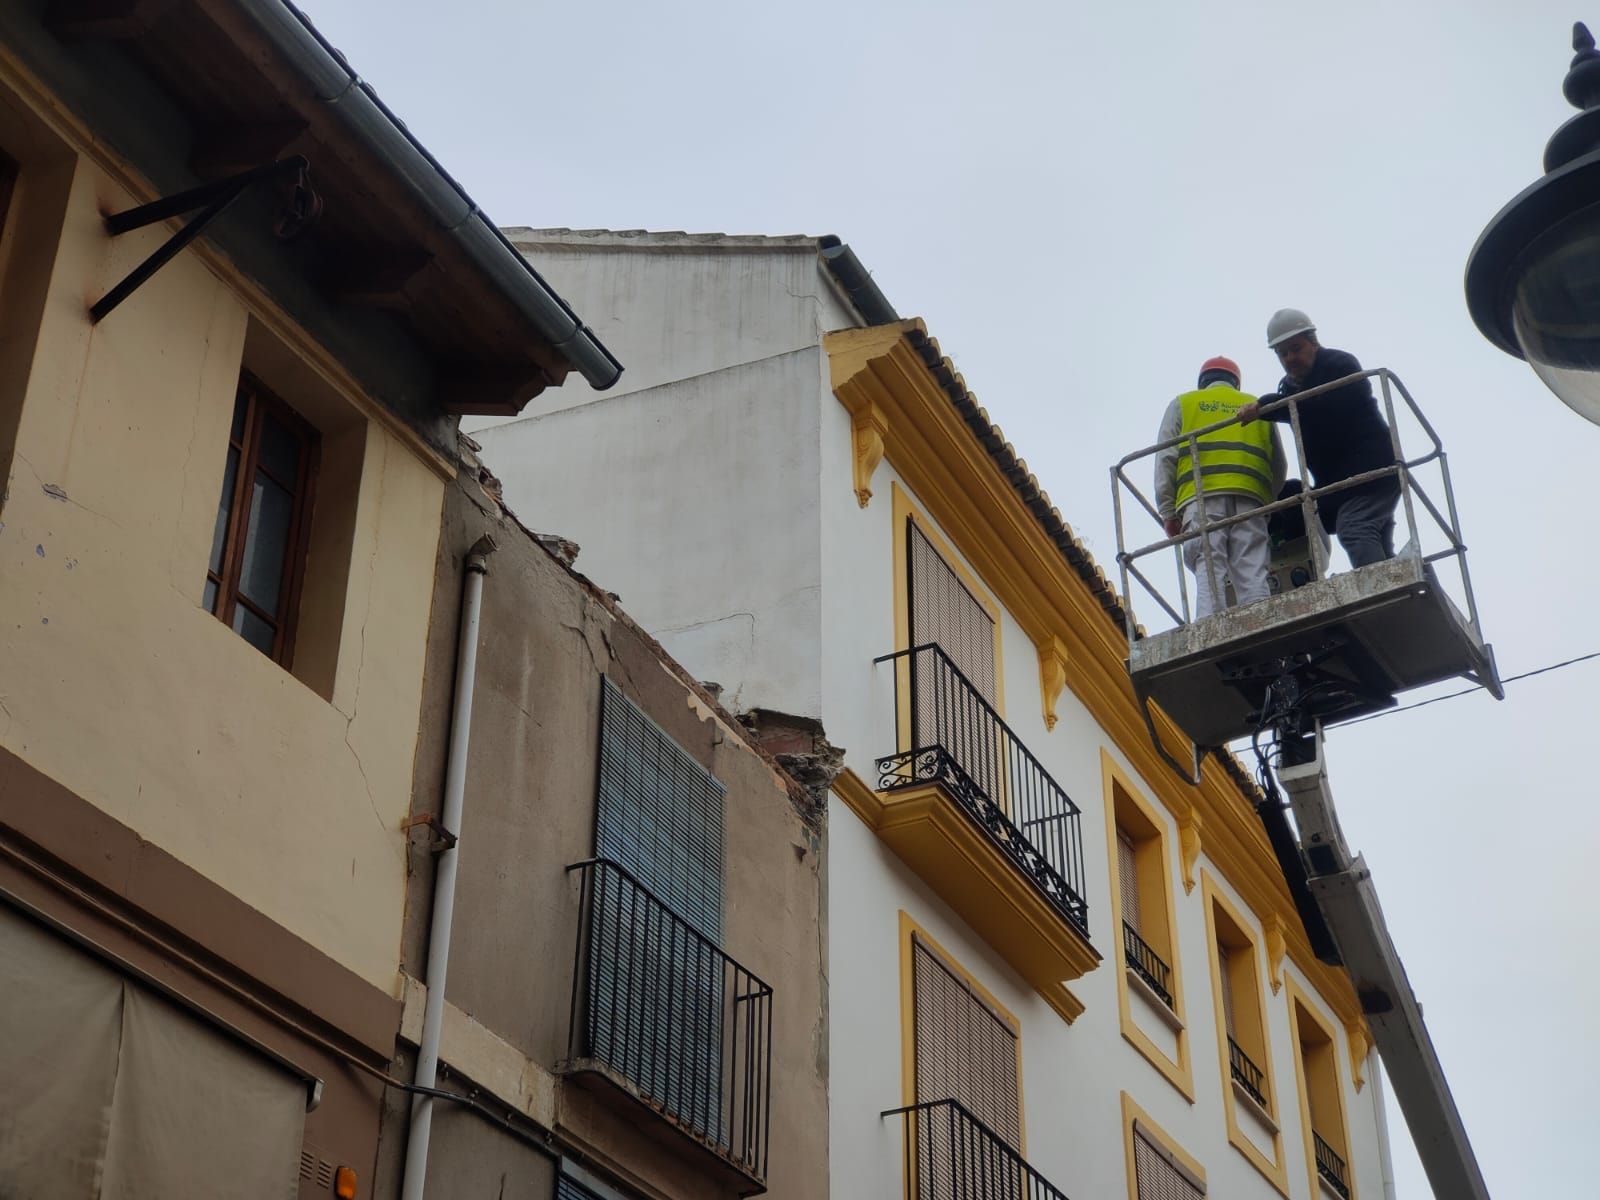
1219 363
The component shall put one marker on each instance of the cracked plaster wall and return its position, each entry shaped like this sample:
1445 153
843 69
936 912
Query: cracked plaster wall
529 811
121 687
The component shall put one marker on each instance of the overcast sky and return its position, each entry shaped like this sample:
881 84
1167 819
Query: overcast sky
1084 202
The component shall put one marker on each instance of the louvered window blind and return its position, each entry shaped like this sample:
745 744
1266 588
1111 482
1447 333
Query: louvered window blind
659 815
964 1050
1157 1175
1128 882
1224 969
943 610
568 1188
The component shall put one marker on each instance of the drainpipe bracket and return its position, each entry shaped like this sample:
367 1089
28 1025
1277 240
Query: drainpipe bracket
443 838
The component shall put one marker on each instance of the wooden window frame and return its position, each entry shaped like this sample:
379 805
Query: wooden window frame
259 399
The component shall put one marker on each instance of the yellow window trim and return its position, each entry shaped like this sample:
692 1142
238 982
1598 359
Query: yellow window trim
1131 1112
909 929
905 509
1178 1073
1273 1169
1297 995
879 373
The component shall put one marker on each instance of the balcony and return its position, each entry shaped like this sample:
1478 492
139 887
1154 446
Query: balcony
664 1017
1331 1168
1246 1074
951 1155
967 807
1146 963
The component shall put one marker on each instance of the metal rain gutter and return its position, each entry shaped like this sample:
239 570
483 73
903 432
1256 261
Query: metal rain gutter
868 299
336 86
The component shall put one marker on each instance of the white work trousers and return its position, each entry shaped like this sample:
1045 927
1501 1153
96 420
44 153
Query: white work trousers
1239 552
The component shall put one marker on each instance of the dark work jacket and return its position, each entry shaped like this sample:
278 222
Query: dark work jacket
1343 430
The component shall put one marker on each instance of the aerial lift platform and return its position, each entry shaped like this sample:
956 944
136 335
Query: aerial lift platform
1322 648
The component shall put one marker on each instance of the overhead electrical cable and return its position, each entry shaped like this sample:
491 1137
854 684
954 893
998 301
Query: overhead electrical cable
1389 712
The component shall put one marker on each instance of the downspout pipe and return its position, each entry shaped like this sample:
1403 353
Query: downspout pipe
335 86
444 880
1385 1155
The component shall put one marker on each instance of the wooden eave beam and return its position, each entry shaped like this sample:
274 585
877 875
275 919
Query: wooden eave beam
382 277
232 149
500 393
117 20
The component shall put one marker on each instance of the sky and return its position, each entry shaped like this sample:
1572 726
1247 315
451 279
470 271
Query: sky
1084 202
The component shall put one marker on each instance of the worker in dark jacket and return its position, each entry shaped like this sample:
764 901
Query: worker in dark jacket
1344 435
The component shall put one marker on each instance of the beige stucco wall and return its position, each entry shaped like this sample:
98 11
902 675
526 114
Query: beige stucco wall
119 685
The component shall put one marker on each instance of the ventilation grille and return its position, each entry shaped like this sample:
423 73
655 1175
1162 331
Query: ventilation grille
314 1169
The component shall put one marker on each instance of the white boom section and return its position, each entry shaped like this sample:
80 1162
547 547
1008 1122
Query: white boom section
1345 893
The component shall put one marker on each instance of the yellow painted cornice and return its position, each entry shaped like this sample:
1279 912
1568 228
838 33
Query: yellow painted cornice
878 371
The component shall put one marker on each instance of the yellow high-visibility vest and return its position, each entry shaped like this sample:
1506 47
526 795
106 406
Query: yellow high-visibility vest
1235 460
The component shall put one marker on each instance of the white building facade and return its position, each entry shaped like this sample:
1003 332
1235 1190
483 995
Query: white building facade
1082 976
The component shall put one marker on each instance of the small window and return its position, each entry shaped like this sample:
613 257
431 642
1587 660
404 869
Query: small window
1250 1101
1158 1168
258 545
1150 1001
1241 1015
1158 1173
1146 939
1321 1100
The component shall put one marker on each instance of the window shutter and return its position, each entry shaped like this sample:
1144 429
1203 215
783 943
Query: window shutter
568 1188
1224 969
1128 882
944 611
1157 1176
659 813
964 1051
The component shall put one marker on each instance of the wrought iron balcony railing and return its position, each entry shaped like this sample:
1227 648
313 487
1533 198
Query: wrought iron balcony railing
1246 1074
660 1005
951 1155
1330 1166
957 739
1146 963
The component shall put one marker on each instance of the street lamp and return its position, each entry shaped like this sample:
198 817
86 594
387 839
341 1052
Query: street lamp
1533 279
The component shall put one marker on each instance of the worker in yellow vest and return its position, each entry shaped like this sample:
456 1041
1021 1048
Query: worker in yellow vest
1241 467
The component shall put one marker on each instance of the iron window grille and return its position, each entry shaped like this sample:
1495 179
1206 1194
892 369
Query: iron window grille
659 1004
958 740
950 1154
1146 963
1246 1074
1330 1166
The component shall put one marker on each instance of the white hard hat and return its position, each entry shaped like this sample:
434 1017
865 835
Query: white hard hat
1287 322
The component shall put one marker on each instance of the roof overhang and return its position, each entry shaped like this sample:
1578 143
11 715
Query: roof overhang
402 276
